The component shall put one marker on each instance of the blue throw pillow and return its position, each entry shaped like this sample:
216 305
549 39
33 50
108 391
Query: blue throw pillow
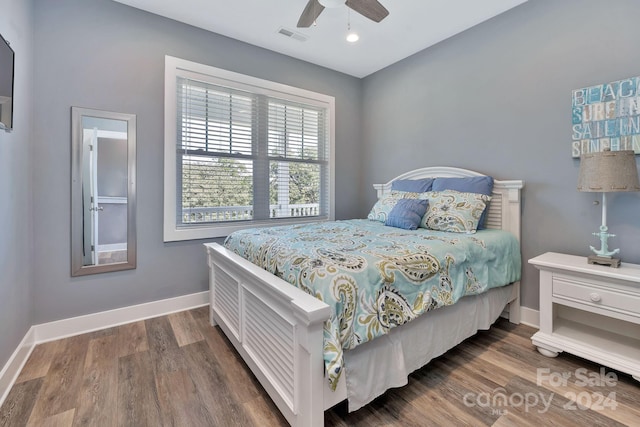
412 185
380 211
472 184
407 214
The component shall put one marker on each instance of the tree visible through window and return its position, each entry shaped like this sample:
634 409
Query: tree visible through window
203 188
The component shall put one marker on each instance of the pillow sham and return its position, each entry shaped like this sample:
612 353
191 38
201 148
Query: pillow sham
454 211
471 184
380 210
412 185
407 214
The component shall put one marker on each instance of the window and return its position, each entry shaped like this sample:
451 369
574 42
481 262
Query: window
242 152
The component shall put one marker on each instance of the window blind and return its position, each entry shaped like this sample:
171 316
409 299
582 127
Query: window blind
243 156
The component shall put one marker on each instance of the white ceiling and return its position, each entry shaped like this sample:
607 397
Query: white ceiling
412 25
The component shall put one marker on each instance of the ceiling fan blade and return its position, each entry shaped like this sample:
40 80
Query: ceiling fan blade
310 13
371 9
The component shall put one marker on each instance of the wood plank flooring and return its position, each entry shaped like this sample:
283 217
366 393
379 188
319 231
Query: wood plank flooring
177 370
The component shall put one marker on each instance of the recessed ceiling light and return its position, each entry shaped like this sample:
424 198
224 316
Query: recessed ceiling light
353 37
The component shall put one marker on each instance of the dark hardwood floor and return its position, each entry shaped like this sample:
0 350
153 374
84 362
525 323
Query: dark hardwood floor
177 370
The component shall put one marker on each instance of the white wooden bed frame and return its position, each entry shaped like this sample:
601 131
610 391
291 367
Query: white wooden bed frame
278 328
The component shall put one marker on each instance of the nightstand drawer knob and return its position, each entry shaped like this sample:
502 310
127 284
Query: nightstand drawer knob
595 297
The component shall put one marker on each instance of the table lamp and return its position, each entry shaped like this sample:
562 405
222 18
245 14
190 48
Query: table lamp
605 172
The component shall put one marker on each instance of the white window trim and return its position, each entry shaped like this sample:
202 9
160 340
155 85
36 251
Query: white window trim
176 66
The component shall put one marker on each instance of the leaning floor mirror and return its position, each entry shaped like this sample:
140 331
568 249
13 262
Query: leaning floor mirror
103 191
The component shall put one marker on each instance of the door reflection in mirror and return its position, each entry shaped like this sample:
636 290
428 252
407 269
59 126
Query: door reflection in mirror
103 191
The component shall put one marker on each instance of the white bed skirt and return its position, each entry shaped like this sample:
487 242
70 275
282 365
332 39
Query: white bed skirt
387 361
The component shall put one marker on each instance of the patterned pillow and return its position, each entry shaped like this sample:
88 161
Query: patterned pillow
380 211
469 184
454 211
407 214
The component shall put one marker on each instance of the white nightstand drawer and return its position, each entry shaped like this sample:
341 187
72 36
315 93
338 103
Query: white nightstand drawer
597 296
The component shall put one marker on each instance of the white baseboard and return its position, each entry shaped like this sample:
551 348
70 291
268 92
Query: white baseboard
12 368
530 317
106 319
88 323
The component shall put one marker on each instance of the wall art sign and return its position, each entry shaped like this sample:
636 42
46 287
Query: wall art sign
606 115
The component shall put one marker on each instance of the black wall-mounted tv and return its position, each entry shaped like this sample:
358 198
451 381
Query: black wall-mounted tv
7 59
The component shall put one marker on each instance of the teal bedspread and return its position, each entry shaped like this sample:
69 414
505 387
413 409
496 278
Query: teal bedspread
376 277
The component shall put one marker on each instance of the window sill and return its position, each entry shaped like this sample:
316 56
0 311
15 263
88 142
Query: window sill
210 230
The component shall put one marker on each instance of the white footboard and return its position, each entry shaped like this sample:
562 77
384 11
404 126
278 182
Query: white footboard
277 329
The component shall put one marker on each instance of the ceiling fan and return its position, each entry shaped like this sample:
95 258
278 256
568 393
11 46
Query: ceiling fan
371 9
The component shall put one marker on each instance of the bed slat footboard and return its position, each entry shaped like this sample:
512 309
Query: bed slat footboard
276 328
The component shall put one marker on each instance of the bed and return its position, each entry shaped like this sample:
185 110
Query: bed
279 330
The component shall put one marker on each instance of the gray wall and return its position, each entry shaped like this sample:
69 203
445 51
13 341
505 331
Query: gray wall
497 99
16 257
112 224
112 182
105 55
112 167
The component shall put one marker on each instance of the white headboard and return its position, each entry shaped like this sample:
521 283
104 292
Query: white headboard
504 207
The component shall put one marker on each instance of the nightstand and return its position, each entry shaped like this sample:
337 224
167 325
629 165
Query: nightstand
591 311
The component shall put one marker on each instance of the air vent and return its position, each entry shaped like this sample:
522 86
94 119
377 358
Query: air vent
292 34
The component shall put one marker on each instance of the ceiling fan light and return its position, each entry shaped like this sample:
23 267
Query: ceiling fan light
353 37
331 3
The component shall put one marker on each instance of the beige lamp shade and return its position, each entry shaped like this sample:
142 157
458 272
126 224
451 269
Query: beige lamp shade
608 171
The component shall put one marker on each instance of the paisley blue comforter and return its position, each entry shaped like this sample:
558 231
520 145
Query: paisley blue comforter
376 277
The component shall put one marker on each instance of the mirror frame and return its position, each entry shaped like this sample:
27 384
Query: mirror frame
77 223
